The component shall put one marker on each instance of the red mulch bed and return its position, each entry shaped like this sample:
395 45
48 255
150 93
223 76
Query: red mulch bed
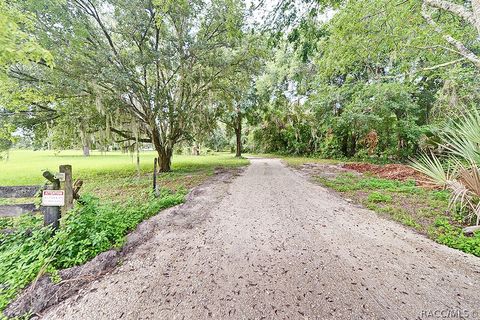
399 172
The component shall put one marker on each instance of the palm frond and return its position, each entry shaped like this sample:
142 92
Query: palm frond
469 127
432 167
461 173
463 148
463 139
470 178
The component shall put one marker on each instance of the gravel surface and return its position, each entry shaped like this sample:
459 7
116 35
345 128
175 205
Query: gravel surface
271 245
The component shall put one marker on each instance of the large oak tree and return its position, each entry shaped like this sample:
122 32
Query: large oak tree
155 62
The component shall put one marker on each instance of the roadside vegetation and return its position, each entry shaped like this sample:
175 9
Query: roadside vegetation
457 168
112 175
425 210
115 199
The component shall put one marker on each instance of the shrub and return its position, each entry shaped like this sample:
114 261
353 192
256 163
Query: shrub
459 171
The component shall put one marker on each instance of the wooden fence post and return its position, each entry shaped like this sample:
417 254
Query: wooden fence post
51 217
155 189
67 186
52 214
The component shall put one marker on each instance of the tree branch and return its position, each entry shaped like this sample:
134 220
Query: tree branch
454 8
462 49
127 136
446 64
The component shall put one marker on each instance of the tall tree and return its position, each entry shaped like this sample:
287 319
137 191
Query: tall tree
237 95
16 46
155 61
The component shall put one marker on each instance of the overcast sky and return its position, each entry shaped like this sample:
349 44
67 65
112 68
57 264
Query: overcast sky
263 11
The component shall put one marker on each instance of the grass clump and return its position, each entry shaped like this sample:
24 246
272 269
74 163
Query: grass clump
377 197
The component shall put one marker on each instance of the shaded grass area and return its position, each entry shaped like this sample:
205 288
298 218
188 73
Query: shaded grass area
115 199
424 210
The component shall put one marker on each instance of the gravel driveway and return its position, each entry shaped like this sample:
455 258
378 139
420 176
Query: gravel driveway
271 245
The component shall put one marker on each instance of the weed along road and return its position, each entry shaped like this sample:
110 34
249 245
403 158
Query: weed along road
271 245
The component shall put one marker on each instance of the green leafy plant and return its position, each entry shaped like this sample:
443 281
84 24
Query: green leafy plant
452 236
377 197
86 231
459 169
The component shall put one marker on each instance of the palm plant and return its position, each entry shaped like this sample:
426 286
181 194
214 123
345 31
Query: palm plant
459 168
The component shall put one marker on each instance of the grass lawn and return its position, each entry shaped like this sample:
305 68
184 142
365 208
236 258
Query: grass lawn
115 200
113 175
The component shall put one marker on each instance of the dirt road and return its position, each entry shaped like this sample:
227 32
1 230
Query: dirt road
271 245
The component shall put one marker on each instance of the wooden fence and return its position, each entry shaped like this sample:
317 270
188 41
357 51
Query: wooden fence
14 210
61 181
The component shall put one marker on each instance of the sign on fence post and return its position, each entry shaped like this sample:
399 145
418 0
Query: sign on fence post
52 200
52 213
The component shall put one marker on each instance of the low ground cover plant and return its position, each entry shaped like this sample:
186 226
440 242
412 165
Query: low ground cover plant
91 228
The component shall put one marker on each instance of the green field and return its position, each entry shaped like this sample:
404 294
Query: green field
25 167
112 175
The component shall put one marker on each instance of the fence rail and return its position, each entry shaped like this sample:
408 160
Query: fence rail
19 192
57 198
14 210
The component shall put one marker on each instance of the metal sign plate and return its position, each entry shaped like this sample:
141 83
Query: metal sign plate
53 198
60 176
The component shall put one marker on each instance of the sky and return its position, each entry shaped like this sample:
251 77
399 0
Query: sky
262 12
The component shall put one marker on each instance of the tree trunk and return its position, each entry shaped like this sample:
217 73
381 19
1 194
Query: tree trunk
164 151
472 17
196 149
86 151
353 148
238 135
476 14
164 160
344 146
138 159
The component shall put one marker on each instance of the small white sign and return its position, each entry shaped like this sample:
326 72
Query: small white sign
60 176
53 198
